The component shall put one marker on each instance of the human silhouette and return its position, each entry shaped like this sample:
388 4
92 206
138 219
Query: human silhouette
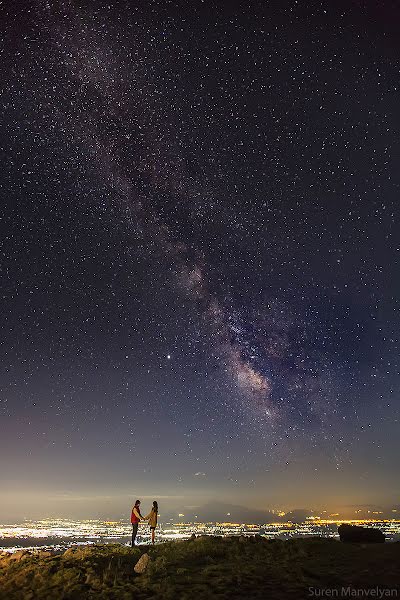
135 518
152 518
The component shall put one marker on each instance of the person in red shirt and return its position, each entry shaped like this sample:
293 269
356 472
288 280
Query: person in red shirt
135 518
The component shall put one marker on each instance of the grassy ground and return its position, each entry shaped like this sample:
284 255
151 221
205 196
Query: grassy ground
223 568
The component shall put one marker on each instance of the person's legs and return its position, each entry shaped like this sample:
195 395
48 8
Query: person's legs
153 535
134 532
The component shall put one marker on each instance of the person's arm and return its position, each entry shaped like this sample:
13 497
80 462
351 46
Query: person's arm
137 514
147 517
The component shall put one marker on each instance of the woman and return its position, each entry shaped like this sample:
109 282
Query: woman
152 518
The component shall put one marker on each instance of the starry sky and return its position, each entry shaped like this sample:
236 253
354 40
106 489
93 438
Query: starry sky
199 255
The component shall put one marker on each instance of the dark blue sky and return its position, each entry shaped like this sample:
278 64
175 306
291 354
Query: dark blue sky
199 255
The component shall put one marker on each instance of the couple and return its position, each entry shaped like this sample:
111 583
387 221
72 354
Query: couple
151 518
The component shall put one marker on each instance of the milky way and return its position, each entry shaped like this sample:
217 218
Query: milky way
258 346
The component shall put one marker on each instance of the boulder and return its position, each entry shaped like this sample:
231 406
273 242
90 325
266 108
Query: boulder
93 580
142 564
4 556
364 535
43 553
20 555
80 551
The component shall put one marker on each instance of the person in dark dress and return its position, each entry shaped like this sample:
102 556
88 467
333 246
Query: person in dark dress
152 519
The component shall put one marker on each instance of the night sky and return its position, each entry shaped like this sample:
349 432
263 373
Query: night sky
199 255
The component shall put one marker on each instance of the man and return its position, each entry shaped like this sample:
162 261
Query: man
135 518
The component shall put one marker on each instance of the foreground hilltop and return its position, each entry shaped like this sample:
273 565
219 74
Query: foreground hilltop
204 567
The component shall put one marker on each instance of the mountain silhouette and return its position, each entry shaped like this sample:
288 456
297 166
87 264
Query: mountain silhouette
232 513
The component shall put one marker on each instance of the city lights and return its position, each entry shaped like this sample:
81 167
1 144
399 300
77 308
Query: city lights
59 534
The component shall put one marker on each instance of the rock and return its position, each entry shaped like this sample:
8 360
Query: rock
193 536
43 553
4 556
365 535
92 580
142 563
80 551
20 555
